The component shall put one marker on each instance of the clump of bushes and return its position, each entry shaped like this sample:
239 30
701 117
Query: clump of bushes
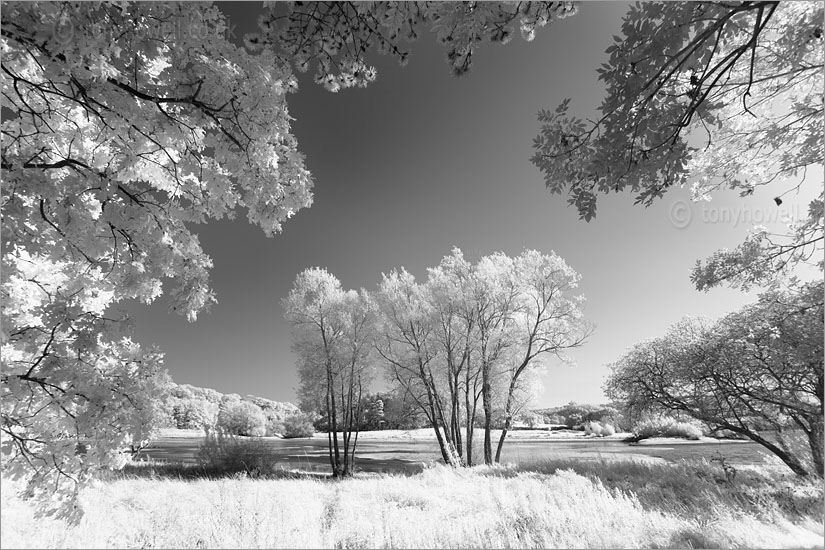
225 454
664 426
274 427
298 425
242 418
601 430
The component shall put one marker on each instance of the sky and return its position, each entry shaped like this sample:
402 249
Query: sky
421 161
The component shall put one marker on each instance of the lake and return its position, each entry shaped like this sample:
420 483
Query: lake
410 456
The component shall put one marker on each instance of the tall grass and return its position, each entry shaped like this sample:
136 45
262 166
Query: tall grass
558 504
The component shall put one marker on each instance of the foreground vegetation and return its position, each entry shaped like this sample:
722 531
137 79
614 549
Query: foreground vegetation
559 504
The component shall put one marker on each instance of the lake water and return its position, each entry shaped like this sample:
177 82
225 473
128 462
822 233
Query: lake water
409 456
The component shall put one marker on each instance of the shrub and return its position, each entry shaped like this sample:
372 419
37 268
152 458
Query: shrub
275 427
665 426
727 434
573 419
222 454
298 425
554 419
599 429
242 418
194 414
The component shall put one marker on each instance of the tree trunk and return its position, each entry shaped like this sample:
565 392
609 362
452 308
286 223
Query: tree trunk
790 460
486 401
358 414
433 417
336 467
445 454
508 416
815 439
501 441
470 419
346 433
455 416
329 430
438 418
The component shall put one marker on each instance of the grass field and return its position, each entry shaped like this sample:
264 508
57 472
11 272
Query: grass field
561 503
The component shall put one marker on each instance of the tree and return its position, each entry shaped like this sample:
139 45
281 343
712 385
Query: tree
242 418
332 336
298 425
477 332
726 95
338 35
276 413
448 288
757 372
119 133
548 321
372 406
405 340
76 393
494 294
194 413
401 412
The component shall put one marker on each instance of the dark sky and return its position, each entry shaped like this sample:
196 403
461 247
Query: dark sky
419 162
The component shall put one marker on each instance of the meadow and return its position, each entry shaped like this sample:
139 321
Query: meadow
565 502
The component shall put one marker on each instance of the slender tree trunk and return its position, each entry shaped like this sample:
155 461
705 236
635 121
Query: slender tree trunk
346 414
439 419
441 443
486 401
471 408
501 440
508 418
469 424
336 468
432 414
356 425
455 415
329 430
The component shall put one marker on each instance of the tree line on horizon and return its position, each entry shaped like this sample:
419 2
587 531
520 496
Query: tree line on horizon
191 407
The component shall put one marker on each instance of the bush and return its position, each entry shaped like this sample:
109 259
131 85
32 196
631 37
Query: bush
298 425
223 453
242 418
596 428
665 426
274 427
193 413
573 419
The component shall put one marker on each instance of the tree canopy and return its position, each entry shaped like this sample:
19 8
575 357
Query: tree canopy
123 125
757 372
713 95
477 333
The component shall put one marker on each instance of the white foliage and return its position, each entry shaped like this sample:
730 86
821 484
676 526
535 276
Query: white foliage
125 132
